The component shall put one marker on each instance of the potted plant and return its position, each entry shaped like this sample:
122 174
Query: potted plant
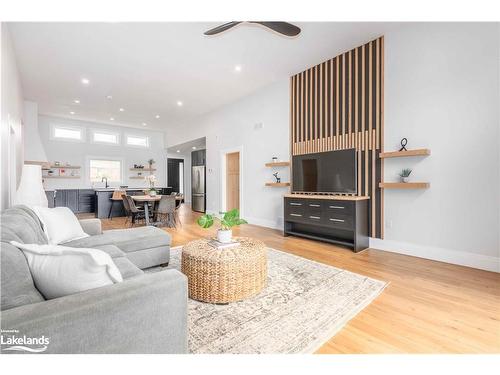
151 162
227 221
405 174
151 179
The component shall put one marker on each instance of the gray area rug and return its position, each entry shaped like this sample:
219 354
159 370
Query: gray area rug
304 304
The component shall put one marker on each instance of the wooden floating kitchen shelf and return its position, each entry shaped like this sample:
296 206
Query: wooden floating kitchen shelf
400 154
278 184
137 177
404 185
143 169
46 168
278 164
60 177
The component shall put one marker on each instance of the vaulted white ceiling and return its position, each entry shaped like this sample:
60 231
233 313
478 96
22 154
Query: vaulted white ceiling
148 67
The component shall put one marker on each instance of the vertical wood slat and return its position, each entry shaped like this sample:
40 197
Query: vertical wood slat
338 104
382 214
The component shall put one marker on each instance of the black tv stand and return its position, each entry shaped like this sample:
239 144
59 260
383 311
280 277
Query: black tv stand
337 219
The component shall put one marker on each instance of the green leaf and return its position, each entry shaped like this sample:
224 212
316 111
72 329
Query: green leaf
205 221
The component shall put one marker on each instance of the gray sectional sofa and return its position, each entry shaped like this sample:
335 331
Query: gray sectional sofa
146 313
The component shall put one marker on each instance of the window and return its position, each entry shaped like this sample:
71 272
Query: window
100 168
68 133
137 141
107 137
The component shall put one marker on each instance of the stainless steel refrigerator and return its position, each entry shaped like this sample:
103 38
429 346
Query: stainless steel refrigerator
198 188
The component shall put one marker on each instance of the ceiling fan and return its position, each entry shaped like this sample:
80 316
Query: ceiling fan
283 28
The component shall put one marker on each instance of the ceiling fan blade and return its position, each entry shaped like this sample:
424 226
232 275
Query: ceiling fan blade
221 28
284 28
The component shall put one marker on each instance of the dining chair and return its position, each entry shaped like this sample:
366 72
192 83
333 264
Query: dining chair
165 211
116 197
133 212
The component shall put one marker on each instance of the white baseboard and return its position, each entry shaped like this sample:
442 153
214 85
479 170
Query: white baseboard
462 258
274 224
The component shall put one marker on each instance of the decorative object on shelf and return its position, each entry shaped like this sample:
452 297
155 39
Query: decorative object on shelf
57 164
30 191
404 142
227 221
405 174
151 179
151 162
274 159
138 166
278 179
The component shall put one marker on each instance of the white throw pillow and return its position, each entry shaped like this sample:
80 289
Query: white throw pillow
60 225
60 270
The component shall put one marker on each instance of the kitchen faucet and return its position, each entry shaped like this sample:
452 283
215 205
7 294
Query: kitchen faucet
105 178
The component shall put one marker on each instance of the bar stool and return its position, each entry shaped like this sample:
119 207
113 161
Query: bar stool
116 197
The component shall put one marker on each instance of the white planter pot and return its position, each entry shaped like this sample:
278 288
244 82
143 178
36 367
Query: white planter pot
224 236
152 193
405 179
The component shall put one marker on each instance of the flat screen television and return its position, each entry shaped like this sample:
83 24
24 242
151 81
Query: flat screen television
325 172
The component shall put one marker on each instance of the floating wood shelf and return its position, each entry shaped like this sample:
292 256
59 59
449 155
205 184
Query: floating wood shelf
47 167
60 177
278 184
278 164
400 154
143 169
404 185
137 177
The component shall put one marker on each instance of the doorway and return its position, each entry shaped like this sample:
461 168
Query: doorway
175 175
232 180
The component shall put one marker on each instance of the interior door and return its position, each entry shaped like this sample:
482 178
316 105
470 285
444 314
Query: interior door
173 174
232 181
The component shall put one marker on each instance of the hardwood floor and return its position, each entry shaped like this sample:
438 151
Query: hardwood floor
428 307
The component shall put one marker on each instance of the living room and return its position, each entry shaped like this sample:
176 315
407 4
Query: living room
250 187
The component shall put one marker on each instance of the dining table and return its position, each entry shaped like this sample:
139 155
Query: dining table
145 199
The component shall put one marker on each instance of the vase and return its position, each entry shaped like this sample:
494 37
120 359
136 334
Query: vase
224 236
152 193
405 179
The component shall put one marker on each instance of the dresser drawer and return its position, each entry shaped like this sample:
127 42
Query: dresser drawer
338 207
339 221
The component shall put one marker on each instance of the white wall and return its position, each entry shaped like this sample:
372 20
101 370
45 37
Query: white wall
442 93
234 126
11 116
33 148
77 153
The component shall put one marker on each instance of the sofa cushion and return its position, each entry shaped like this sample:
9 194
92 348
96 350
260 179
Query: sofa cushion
128 240
126 268
21 224
111 250
17 285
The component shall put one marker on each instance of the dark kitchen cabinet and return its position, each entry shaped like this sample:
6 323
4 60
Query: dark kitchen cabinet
77 200
198 158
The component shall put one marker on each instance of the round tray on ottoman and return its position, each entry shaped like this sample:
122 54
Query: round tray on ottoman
224 275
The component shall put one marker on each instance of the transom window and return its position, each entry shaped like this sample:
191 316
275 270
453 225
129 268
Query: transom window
137 141
100 136
110 169
68 133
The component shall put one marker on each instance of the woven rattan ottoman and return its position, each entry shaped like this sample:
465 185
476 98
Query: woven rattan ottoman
226 275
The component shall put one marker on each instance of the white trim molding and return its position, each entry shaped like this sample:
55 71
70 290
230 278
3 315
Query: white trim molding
462 258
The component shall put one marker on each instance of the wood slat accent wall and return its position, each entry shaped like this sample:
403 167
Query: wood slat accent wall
338 104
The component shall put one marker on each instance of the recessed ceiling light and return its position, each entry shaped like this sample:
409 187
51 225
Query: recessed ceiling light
237 68
85 81
109 97
194 147
72 113
76 101
144 124
179 103
112 118
157 116
178 151
121 110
